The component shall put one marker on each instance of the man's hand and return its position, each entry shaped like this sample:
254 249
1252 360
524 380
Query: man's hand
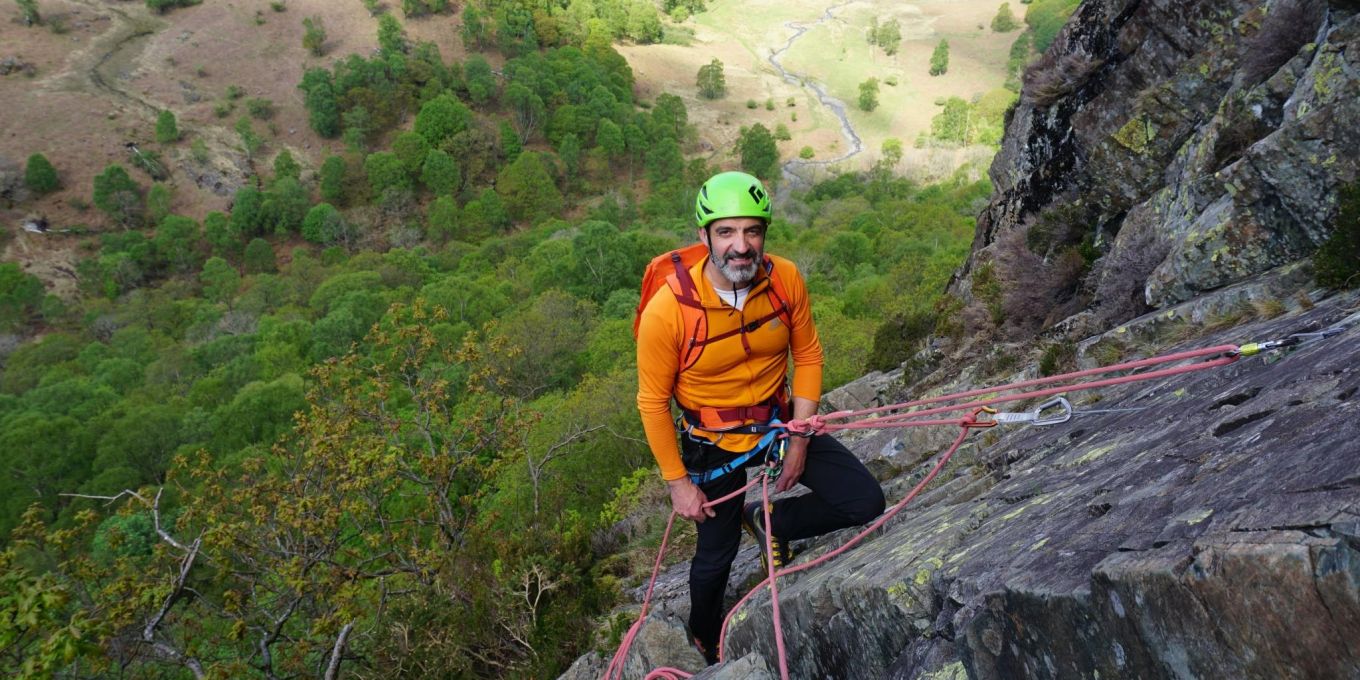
688 501
795 455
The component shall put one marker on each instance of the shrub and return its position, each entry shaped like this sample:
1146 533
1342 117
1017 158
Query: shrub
167 128
899 338
939 59
1337 262
28 11
1058 357
40 176
314 36
750 103
868 95
1004 21
117 195
260 108
806 153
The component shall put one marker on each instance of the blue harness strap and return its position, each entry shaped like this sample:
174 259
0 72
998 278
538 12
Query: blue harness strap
740 461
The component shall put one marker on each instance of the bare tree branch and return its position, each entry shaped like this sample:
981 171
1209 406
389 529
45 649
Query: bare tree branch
333 668
554 452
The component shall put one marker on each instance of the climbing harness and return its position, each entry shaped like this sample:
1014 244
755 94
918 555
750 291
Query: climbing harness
767 445
979 415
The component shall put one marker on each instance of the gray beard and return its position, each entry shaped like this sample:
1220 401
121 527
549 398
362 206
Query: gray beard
737 275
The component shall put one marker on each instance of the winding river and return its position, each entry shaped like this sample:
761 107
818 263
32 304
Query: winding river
791 168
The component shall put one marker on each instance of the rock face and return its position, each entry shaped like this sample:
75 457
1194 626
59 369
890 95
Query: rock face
1214 533
1198 144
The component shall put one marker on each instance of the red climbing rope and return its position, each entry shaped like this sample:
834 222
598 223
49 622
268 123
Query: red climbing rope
1225 354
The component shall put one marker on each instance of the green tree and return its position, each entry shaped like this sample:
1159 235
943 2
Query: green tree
484 215
474 28
158 200
118 196
314 36
664 162
391 36
176 243
480 81
889 36
20 295
527 189
669 116
167 128
952 123
441 118
358 123
440 173
332 179
321 223
528 108
247 212
711 81
510 142
259 257
39 175
441 219
569 150
284 206
759 154
220 280
868 95
411 149
939 59
1045 18
323 109
385 171
891 151
1004 21
609 136
218 232
286 166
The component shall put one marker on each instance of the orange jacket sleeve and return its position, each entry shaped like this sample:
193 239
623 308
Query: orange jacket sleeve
804 344
658 360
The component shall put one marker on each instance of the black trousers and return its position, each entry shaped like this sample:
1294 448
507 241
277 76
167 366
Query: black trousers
844 494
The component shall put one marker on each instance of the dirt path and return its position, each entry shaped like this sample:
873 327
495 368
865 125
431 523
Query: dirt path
791 167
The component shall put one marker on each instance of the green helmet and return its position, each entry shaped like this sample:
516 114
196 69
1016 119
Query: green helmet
731 194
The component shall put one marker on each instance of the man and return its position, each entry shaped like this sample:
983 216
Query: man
755 315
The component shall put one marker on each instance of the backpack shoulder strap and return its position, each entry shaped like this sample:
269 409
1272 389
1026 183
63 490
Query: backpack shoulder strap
779 293
694 318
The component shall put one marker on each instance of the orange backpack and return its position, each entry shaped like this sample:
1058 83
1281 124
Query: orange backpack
672 269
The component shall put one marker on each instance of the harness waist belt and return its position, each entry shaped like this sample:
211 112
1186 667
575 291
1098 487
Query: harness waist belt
738 462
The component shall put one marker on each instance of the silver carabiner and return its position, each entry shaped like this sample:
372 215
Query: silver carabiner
1037 417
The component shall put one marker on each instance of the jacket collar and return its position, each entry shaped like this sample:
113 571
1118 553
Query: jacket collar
708 295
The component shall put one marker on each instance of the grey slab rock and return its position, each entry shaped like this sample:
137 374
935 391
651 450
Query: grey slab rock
1210 535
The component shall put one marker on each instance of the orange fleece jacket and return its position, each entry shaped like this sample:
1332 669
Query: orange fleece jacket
725 375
